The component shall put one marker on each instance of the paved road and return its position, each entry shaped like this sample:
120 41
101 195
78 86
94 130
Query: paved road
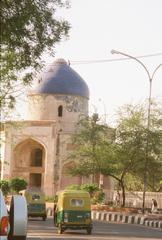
39 230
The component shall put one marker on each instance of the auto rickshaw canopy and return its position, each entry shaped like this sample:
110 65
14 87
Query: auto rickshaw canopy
73 200
34 195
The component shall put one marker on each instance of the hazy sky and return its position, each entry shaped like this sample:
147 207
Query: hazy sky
130 26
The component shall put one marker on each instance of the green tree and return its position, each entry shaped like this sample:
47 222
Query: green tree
129 145
5 187
28 30
18 184
89 141
98 153
133 183
153 168
130 150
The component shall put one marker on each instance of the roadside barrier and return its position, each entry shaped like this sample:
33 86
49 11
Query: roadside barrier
125 218
119 217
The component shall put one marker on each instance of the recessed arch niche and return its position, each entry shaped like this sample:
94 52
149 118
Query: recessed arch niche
29 161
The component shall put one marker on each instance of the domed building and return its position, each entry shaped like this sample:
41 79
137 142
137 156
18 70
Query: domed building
37 148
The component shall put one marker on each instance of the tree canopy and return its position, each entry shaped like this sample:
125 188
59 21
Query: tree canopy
18 184
28 29
121 156
5 187
90 141
132 136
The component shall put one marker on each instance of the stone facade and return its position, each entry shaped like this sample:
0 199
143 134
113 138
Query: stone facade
37 148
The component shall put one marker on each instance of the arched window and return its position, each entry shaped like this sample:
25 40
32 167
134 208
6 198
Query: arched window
60 111
36 157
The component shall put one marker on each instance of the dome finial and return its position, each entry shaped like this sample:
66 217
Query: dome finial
60 61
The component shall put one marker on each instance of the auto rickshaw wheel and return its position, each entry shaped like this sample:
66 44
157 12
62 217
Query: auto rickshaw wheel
89 231
60 229
16 238
44 218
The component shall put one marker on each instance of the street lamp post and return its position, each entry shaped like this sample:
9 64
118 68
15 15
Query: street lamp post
150 77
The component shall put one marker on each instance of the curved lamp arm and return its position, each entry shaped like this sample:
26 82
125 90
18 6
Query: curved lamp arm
127 55
160 65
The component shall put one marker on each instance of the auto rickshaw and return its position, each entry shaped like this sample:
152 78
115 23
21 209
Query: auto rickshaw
35 202
72 210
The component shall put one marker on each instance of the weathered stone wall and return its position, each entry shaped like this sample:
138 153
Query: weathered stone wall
45 107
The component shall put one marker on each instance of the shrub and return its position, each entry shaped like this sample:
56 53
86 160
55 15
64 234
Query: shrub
18 184
97 195
50 199
91 188
5 187
73 187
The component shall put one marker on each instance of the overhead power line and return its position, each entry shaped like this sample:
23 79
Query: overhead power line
111 60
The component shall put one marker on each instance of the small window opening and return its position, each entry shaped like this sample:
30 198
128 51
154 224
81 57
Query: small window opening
60 111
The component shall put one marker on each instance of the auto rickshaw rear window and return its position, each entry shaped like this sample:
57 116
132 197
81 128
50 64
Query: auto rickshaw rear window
76 202
35 197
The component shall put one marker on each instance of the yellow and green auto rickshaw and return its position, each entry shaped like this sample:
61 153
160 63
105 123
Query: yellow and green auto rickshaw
72 210
35 202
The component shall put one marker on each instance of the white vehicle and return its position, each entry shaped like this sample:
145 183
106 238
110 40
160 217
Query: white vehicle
4 221
13 225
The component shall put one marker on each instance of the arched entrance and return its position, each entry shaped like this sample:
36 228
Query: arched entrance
29 161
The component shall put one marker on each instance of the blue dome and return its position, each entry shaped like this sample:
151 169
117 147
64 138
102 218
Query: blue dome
60 78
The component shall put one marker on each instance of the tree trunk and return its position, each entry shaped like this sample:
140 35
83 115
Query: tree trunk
123 193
